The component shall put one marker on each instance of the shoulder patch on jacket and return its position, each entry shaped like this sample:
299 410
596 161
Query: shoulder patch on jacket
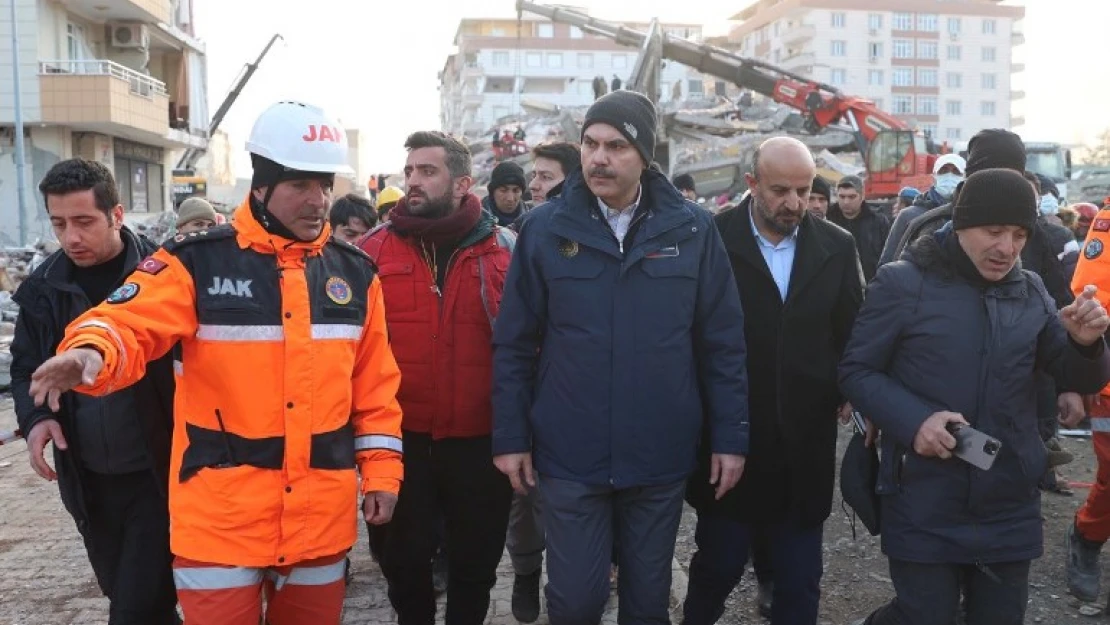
212 234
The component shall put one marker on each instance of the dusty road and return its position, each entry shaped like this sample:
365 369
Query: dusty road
45 578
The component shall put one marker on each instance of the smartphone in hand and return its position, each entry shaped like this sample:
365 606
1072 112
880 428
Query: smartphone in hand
974 447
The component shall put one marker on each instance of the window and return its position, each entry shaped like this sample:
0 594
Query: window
585 60
879 104
875 49
953 107
696 86
533 59
989 54
75 43
926 105
954 80
839 48
875 21
620 61
875 77
927 22
500 59
554 60
903 104
954 25
987 108
545 31
989 81
838 20
989 27
929 130
497 31
926 77
903 21
575 32
953 133
902 77
926 49
953 53
903 48
838 77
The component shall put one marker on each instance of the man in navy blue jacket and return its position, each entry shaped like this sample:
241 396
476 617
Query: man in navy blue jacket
620 336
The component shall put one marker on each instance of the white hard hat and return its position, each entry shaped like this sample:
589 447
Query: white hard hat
300 136
950 159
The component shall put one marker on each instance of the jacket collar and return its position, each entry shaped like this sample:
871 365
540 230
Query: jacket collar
59 269
250 233
576 215
810 255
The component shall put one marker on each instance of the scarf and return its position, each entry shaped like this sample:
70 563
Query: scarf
450 228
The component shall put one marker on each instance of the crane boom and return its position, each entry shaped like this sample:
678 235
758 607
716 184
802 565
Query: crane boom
189 159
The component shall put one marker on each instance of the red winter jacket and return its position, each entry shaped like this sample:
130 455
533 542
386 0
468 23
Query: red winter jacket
443 343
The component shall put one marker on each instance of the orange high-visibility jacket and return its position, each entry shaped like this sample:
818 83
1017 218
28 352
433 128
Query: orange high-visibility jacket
1094 264
286 380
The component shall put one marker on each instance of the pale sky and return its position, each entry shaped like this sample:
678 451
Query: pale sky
374 63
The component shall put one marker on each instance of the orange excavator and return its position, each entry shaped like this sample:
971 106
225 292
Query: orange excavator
895 155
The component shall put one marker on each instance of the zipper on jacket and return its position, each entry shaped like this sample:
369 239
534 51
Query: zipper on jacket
227 444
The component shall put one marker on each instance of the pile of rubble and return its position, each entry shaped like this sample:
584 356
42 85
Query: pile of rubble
711 138
15 265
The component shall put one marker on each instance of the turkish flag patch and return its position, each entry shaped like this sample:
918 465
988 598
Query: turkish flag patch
152 266
1101 225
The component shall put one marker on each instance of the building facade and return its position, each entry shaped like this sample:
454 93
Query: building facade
946 68
122 82
496 68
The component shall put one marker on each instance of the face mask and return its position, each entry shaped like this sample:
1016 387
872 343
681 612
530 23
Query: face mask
1049 204
946 184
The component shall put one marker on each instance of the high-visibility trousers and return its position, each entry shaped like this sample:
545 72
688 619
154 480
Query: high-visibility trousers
1093 519
305 593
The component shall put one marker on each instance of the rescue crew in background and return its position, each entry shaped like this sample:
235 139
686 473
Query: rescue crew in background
262 492
1092 522
387 199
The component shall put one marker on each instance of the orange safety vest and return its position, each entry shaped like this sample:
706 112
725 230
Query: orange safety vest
286 381
1094 264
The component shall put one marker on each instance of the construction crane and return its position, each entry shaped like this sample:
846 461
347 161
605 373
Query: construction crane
895 155
188 160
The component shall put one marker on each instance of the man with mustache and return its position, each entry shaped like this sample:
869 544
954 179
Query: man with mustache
285 385
619 344
801 284
442 262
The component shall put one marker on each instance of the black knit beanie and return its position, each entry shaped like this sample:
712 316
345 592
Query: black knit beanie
630 113
995 197
995 148
821 187
505 174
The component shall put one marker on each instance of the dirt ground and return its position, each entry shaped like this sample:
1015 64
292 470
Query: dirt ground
856 579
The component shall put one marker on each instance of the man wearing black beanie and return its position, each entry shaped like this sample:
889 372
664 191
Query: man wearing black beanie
618 353
506 190
957 333
819 197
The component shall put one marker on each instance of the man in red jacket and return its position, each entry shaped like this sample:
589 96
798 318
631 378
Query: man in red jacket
442 262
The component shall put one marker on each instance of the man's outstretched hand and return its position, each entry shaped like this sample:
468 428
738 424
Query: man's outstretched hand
62 373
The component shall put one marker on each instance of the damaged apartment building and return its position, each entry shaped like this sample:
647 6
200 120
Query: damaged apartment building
122 82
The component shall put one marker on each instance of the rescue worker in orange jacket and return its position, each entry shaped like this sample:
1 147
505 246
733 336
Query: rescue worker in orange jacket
274 317
1092 522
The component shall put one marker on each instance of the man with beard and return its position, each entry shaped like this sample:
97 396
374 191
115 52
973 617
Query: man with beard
620 342
112 453
800 284
443 262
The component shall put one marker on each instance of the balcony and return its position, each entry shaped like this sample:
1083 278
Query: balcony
1017 68
799 33
1017 94
147 11
472 70
1017 38
1017 120
799 62
106 97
